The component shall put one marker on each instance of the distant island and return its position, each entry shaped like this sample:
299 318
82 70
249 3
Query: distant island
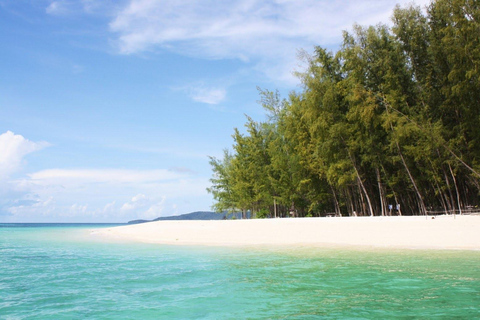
197 215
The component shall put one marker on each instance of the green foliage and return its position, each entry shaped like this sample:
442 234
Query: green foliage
392 117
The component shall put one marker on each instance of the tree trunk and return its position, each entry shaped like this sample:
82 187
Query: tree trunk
423 208
335 202
361 184
451 205
381 192
443 198
399 211
456 189
275 207
365 192
362 204
349 198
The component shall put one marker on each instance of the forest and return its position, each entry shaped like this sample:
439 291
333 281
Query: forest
387 125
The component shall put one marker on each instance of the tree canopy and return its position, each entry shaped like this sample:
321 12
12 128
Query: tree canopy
388 124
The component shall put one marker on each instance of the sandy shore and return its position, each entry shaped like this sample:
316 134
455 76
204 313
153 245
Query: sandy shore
443 232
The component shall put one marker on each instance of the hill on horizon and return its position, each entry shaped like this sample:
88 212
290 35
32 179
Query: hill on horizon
197 215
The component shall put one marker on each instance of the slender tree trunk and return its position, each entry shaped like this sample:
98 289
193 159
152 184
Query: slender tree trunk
349 199
362 199
475 182
366 194
399 211
423 209
456 189
448 198
443 197
380 192
360 182
444 144
357 204
413 203
437 189
335 200
275 207
451 205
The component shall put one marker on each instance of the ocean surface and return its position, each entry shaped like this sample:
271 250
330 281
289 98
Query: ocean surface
55 271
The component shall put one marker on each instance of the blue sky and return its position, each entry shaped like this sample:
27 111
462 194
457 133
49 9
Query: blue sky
110 109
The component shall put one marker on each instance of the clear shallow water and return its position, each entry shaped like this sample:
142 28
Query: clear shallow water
62 272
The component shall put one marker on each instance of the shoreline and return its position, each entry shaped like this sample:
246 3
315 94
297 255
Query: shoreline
405 232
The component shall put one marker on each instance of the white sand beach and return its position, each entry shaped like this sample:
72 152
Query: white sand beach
418 232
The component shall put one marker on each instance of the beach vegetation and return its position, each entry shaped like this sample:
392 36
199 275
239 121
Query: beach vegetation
387 125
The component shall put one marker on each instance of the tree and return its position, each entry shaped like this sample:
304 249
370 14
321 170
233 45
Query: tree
393 116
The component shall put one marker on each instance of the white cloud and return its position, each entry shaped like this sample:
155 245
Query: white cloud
13 148
155 210
208 95
109 207
43 208
78 7
146 208
77 209
104 195
203 93
58 7
92 6
265 33
91 194
140 200
75 176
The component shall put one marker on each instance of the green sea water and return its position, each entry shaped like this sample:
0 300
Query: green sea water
64 272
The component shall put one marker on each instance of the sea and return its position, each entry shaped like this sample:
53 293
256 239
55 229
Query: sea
64 271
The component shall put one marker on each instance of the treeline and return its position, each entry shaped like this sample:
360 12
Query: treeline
390 121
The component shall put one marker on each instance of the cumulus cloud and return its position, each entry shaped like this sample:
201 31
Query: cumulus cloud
78 209
263 32
140 200
13 148
146 208
103 194
78 195
155 210
109 207
40 207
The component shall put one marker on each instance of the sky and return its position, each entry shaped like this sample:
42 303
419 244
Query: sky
110 110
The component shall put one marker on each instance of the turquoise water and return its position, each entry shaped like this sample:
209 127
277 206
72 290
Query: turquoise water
63 272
